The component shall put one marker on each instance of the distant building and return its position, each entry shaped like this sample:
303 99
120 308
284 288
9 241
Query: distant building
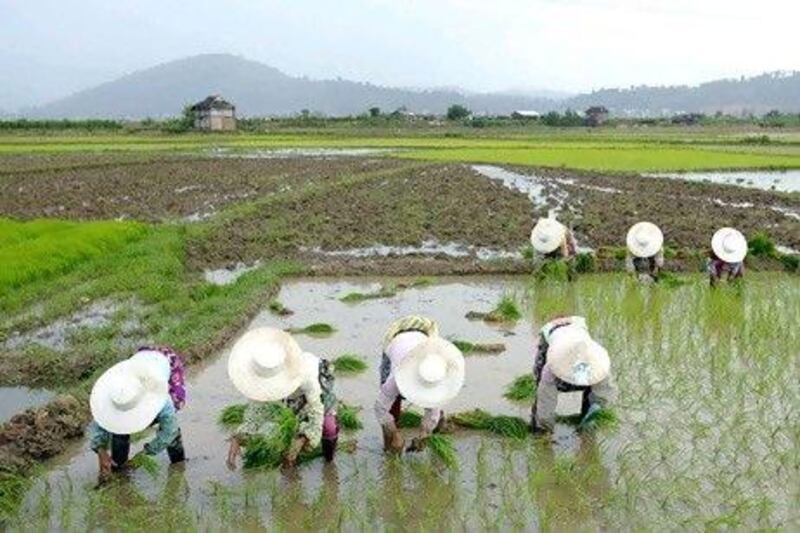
596 116
688 119
214 114
525 114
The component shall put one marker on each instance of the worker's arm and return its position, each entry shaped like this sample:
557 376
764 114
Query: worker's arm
603 393
99 438
167 430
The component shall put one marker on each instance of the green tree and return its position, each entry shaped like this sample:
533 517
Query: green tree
457 112
374 111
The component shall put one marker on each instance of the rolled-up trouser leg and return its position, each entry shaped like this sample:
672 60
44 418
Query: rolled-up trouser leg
330 435
120 449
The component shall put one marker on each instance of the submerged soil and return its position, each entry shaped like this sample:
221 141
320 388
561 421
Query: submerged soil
676 431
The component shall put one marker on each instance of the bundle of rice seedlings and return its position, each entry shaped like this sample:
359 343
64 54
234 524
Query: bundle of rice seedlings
347 416
670 280
521 389
268 450
507 310
553 271
349 363
145 462
319 328
505 426
409 419
232 415
602 418
468 348
386 291
441 447
278 308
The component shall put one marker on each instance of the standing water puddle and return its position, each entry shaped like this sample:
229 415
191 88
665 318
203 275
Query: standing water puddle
18 399
786 181
679 375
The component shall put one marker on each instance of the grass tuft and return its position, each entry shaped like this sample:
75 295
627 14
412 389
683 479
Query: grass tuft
521 389
349 363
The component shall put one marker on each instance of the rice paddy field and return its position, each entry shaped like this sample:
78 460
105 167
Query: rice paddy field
113 241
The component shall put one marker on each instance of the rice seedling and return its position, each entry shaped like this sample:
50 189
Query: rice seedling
279 309
319 328
522 389
349 364
470 348
506 310
505 426
12 491
409 419
553 270
347 416
384 292
603 418
670 280
441 447
584 262
267 451
232 415
761 245
145 462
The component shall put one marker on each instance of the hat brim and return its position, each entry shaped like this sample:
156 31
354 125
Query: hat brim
717 244
423 394
130 421
261 388
654 244
556 232
562 357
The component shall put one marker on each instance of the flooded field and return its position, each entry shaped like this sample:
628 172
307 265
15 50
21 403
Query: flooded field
783 181
708 434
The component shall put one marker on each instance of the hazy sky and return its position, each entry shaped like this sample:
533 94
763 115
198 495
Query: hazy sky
52 47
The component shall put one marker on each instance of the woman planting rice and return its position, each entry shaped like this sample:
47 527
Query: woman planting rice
569 360
267 365
146 390
645 257
726 258
419 366
556 248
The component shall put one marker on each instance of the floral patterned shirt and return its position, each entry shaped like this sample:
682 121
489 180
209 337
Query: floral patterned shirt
177 376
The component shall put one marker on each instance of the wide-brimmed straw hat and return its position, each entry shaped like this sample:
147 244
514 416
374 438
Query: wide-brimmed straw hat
431 374
645 239
547 235
576 358
265 364
128 396
729 245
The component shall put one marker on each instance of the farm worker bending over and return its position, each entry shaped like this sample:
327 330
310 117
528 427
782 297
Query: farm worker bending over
728 250
554 242
569 360
267 365
419 366
645 253
146 390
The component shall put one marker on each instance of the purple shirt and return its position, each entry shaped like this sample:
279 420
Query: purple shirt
177 378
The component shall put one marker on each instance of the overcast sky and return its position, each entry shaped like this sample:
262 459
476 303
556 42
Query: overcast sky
52 47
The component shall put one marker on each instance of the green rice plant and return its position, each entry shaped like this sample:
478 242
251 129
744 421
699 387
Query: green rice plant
384 292
761 245
791 262
423 281
232 415
670 280
584 262
12 490
347 416
527 252
505 426
409 419
267 451
522 389
145 462
506 310
601 419
468 348
553 270
278 308
441 447
349 363
318 328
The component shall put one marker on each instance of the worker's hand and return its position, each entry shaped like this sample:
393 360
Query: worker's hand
104 463
234 451
417 444
397 442
134 461
299 443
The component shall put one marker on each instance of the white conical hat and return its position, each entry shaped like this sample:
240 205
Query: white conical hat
129 395
431 374
576 358
547 235
730 245
645 239
265 364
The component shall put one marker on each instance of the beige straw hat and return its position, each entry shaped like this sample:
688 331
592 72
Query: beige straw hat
431 374
547 235
645 239
129 395
266 364
730 245
577 359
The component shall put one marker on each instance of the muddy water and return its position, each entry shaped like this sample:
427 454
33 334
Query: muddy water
787 181
17 399
707 434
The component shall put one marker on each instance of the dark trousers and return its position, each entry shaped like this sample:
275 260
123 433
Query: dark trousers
121 447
